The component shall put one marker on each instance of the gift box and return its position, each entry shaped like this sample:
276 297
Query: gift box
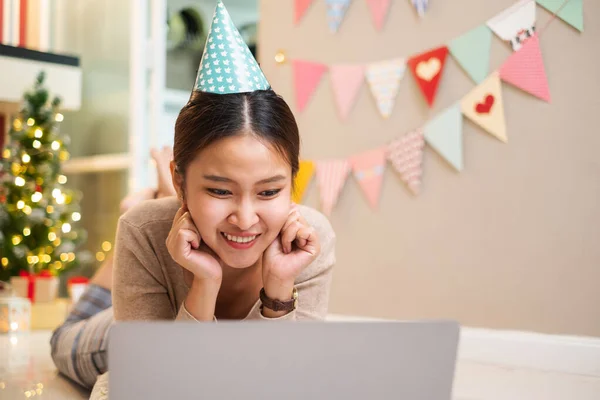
76 286
49 315
41 287
15 311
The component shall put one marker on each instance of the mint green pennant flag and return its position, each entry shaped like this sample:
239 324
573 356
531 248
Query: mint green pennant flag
445 134
571 13
472 52
227 64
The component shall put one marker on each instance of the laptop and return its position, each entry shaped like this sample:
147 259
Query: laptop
283 360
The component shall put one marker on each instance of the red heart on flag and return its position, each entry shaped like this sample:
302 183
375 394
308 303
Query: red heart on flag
485 107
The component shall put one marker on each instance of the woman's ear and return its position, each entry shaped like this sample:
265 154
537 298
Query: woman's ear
177 180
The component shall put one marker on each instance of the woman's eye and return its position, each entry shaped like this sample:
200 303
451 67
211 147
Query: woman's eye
219 192
270 193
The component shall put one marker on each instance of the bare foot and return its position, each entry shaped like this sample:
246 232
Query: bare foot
162 159
137 197
103 277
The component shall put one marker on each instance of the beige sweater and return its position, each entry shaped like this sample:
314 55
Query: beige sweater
149 285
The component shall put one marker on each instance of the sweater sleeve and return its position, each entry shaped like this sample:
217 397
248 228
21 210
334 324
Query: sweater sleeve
139 284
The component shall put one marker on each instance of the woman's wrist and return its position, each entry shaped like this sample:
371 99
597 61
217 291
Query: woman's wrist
202 299
277 290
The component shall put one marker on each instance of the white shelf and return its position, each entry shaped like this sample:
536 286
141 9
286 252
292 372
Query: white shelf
100 163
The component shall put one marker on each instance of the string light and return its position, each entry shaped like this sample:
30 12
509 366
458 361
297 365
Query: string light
39 181
49 209
27 210
17 124
16 240
55 145
71 257
52 236
57 242
33 259
76 216
63 156
4 262
56 193
39 133
59 117
60 199
6 153
100 256
31 122
26 158
46 258
19 181
20 204
37 196
106 246
62 179
64 257
37 144
26 232
66 228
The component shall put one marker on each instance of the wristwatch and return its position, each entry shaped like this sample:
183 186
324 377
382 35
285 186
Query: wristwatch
278 305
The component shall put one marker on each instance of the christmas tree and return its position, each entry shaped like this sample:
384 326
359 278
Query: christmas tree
38 214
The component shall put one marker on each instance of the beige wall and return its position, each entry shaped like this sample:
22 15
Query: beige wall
512 242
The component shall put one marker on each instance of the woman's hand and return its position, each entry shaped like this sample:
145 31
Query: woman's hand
186 248
290 253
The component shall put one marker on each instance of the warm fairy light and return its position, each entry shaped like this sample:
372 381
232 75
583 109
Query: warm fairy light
75 216
49 209
58 265
106 246
55 145
64 156
66 228
71 257
60 199
19 181
59 117
4 262
26 232
100 256
57 242
38 133
16 240
27 210
39 181
52 236
26 158
31 122
62 179
37 144
20 204
46 258
280 57
37 196
6 153
17 124
64 257
33 259
56 193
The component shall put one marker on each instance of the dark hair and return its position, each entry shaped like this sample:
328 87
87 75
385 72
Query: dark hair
209 117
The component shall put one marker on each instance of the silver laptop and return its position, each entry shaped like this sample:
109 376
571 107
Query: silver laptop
283 360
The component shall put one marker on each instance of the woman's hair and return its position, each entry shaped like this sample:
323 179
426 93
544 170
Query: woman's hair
208 117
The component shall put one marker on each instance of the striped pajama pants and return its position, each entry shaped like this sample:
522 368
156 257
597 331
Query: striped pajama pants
79 346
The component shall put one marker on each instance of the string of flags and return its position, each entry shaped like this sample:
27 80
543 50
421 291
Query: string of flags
336 11
483 104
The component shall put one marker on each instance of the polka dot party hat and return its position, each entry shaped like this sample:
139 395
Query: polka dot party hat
227 64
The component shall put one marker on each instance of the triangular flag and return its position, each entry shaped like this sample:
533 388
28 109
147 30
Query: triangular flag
571 11
379 10
525 69
427 69
406 155
420 6
384 79
368 169
303 178
307 76
336 10
331 176
444 134
346 81
300 7
515 24
484 106
472 52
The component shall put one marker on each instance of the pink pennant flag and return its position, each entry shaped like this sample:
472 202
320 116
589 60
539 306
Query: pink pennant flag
379 10
368 169
406 155
307 76
346 81
525 69
300 7
331 176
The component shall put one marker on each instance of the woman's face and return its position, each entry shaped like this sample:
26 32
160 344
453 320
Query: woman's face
238 193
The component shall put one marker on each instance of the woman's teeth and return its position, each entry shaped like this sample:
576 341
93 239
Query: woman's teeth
240 239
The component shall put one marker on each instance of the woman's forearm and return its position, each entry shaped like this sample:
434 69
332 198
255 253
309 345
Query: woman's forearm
202 299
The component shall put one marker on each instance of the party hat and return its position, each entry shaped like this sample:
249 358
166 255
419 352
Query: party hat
227 64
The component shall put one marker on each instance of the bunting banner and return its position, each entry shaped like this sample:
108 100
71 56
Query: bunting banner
515 24
484 106
406 155
346 81
368 169
525 70
571 12
427 69
472 51
445 135
307 76
331 177
336 11
303 178
300 7
379 11
384 79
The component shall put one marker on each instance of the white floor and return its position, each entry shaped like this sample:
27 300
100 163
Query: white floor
27 371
